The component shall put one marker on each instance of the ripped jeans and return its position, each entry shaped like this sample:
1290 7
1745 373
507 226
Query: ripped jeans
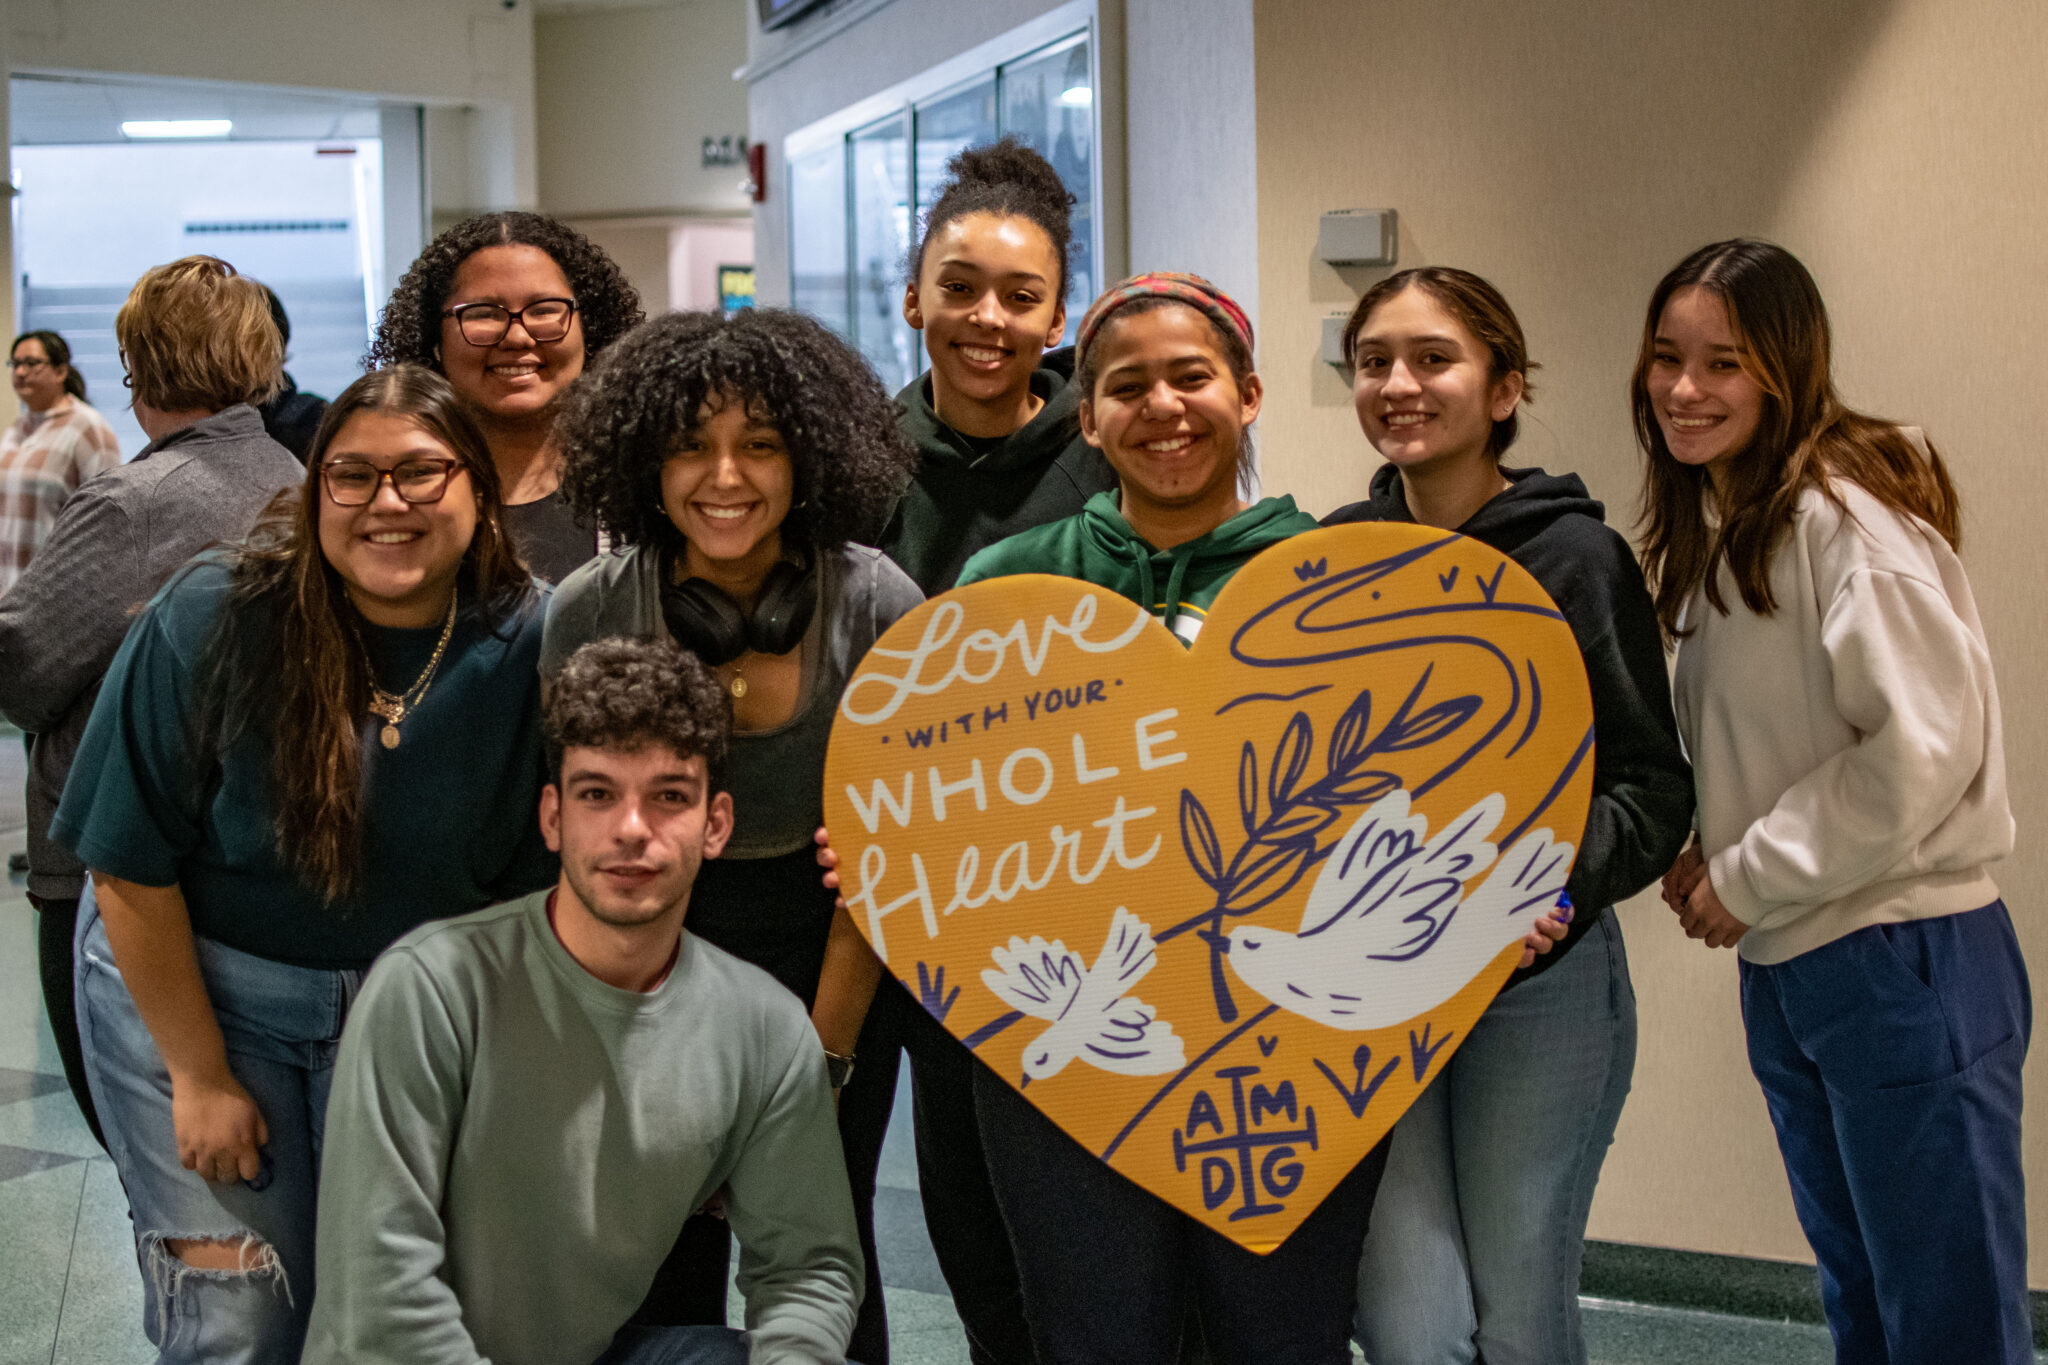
282 1025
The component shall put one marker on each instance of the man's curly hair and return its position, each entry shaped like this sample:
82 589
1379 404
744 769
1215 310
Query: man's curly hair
409 331
624 694
849 458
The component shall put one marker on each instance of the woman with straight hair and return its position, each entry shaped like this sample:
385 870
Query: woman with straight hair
735 459
998 435
199 352
57 443
510 308
1480 1226
306 746
1835 692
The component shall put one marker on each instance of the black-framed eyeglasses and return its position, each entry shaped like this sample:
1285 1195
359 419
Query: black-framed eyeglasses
354 483
485 324
27 364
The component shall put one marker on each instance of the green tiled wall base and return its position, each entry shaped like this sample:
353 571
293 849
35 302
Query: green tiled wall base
1721 1284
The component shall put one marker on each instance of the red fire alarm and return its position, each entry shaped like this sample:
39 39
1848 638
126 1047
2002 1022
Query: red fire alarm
757 170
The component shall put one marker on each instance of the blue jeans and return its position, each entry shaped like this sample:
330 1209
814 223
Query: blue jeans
1480 1227
282 1025
676 1346
1890 1059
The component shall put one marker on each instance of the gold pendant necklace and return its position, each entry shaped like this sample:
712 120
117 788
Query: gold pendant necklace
395 707
738 685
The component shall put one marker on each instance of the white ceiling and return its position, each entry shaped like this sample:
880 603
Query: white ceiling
47 110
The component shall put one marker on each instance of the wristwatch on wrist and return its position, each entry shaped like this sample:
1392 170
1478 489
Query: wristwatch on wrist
838 1069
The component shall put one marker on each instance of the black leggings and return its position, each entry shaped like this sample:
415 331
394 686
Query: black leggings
1107 1268
56 922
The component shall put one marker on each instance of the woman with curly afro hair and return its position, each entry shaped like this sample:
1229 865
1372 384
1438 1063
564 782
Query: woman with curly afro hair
735 461
509 308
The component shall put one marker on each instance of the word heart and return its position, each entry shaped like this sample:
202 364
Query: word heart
1220 912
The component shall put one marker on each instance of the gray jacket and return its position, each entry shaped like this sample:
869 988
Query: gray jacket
776 777
116 541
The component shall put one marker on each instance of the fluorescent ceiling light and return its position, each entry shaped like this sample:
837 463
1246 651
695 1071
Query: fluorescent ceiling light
177 127
1077 97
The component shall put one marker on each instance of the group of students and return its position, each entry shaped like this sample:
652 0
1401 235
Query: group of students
529 1132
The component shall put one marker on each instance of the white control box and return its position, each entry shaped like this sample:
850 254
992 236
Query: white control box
1357 237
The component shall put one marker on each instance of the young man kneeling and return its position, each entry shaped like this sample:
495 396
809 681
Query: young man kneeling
530 1100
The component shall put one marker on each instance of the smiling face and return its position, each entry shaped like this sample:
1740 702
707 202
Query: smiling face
727 488
987 298
1423 386
398 560
1169 416
517 379
1708 406
632 826
39 386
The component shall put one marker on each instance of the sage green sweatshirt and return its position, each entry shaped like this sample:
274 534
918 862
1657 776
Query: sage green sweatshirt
512 1146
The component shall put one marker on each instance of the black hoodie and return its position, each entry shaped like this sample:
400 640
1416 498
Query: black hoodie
1642 786
969 494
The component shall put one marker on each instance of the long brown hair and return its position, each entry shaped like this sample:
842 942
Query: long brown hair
285 657
1805 438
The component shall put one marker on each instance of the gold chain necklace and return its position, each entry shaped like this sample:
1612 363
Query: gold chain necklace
738 685
395 707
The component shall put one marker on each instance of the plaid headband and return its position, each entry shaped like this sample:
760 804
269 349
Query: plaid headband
1191 290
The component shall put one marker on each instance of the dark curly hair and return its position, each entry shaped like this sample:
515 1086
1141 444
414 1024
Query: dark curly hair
409 331
1009 179
624 419
628 694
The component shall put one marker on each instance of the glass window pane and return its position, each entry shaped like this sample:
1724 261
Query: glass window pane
1048 101
945 126
880 164
817 236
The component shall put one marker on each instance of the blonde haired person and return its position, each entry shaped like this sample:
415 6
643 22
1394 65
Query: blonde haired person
56 444
200 349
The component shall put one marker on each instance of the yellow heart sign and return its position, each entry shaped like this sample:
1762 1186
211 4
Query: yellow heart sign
1221 913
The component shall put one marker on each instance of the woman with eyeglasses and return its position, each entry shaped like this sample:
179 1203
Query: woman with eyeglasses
509 308
57 443
306 746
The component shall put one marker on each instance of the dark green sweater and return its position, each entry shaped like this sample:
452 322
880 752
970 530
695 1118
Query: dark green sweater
969 494
1177 585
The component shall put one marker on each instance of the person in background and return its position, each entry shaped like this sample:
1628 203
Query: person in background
306 747
200 351
291 417
531 1099
510 308
1835 691
1480 1224
57 443
734 459
999 451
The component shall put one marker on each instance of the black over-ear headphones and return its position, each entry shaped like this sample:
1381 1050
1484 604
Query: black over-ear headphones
708 623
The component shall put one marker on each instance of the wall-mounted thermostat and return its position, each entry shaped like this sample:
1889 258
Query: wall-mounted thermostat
1357 237
1333 338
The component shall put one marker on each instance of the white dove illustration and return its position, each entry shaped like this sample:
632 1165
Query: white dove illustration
1091 1015
1391 898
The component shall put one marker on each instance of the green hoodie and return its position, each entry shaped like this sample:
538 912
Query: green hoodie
968 495
1177 585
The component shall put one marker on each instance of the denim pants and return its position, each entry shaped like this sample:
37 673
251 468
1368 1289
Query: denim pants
676 1346
1107 1269
1480 1228
282 1025
1890 1059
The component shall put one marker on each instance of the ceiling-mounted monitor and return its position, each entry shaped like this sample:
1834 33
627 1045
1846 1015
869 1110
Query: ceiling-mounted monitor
776 13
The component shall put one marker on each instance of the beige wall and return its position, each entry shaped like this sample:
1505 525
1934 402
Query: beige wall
1572 151
627 97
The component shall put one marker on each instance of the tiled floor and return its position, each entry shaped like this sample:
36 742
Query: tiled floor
70 1293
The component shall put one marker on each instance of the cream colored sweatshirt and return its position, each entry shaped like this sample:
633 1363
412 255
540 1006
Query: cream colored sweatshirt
1846 748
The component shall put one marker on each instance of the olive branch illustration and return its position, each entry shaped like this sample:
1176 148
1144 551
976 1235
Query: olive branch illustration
1284 832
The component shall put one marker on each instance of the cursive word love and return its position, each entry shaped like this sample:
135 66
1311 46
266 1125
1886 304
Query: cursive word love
976 658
